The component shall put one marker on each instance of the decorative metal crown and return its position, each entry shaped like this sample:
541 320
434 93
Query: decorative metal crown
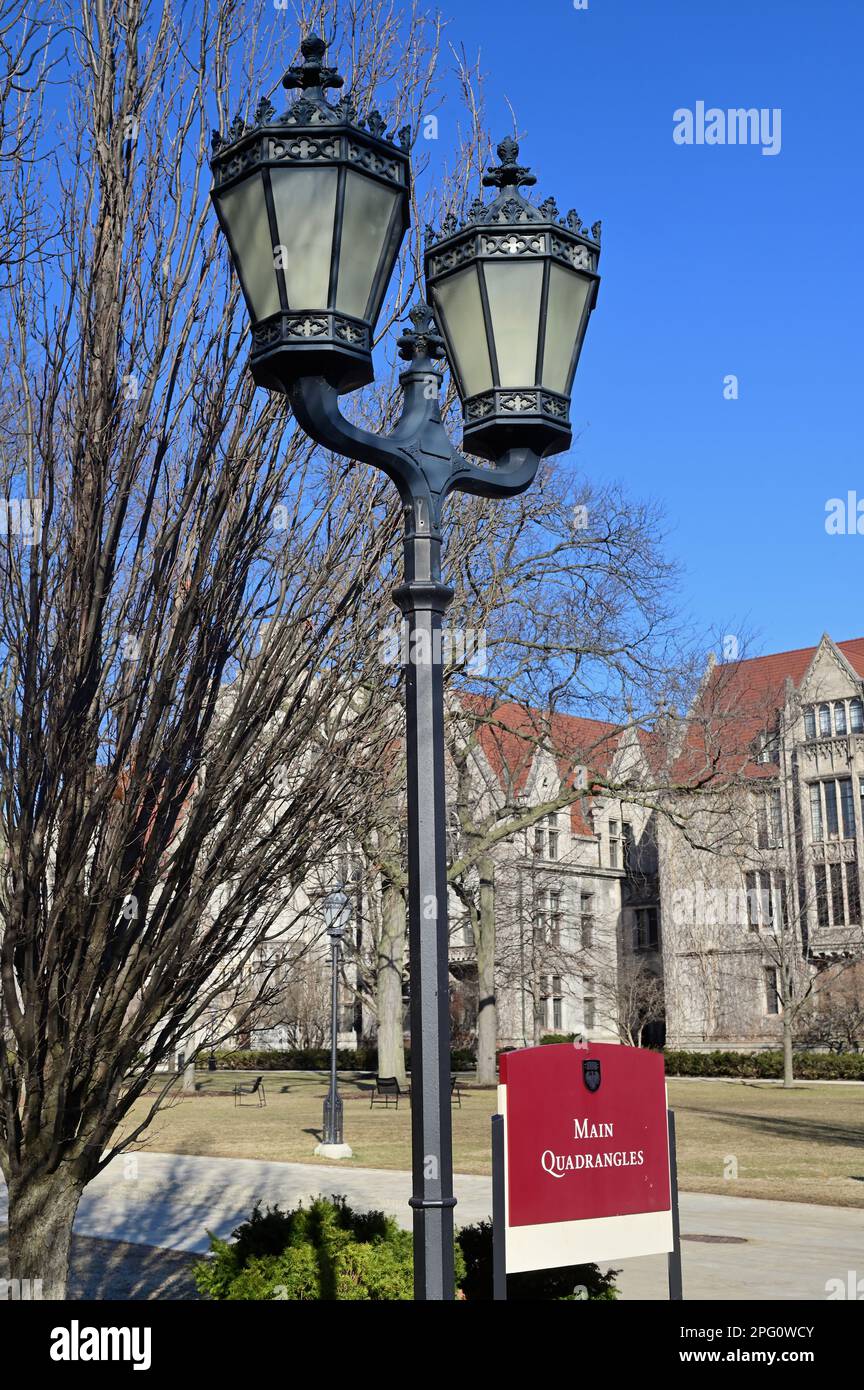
423 338
311 79
512 207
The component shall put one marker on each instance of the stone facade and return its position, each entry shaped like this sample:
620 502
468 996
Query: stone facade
765 876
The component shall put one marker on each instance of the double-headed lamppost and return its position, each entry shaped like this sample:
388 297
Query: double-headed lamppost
336 913
314 205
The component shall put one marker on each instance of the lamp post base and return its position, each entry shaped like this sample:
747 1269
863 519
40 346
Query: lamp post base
334 1151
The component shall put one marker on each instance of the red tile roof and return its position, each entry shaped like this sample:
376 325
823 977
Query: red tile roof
739 700
511 735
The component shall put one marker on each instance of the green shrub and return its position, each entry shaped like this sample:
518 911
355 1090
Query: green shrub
323 1251
572 1283
329 1251
807 1066
318 1059
556 1038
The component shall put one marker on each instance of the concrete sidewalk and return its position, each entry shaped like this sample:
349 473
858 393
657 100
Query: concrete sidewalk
787 1250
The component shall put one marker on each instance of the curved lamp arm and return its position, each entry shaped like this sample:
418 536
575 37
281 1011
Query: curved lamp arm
417 455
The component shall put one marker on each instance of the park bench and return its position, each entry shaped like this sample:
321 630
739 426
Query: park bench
255 1089
386 1088
455 1092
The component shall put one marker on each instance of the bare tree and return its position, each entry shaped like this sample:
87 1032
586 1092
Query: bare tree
184 614
630 998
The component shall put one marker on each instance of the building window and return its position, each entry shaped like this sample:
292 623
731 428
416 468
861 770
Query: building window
546 837
838 894
554 919
853 893
588 1009
769 820
613 845
847 804
548 918
772 996
557 1004
838 907
766 900
769 748
552 821
832 803
848 718
627 846
823 917
586 909
645 934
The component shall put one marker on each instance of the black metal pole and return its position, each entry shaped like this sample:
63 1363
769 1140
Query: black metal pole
333 1103
421 461
423 600
499 1219
676 1284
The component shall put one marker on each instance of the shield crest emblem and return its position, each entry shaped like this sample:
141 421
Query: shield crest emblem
591 1074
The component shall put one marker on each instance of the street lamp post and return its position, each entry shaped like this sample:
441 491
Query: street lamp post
314 205
336 909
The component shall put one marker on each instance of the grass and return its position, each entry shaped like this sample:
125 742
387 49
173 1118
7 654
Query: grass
803 1145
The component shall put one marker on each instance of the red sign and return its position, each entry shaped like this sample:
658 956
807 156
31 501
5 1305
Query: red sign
586 1133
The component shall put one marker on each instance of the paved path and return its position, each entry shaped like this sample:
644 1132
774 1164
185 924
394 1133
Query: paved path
789 1250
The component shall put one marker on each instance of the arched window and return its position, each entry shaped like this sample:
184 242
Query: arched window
809 722
856 716
825 720
839 717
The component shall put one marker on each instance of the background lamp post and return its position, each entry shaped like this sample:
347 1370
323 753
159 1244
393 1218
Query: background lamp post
513 289
337 910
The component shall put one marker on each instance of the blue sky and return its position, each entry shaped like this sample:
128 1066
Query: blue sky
717 260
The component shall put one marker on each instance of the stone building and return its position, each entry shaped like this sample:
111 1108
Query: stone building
760 872
575 892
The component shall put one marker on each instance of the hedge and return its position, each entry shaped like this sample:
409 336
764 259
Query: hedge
317 1059
807 1066
329 1251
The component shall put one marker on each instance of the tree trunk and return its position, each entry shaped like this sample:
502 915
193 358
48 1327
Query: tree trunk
487 1012
388 985
42 1208
788 1072
538 1012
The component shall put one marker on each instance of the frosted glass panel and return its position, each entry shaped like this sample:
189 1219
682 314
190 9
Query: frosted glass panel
567 295
245 212
514 293
368 206
305 203
458 303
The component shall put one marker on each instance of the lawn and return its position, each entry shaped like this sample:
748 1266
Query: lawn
803 1145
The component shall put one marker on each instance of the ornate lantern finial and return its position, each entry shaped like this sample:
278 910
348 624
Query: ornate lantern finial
423 338
508 174
312 75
